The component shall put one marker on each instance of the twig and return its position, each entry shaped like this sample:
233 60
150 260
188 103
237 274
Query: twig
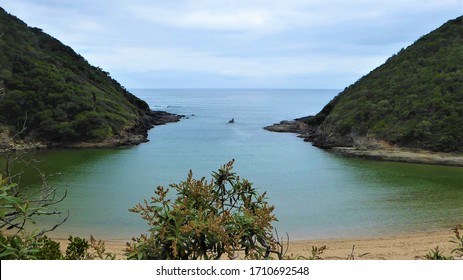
351 256
53 228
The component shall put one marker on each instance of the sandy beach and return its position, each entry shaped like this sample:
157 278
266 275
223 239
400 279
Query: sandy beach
410 246
395 247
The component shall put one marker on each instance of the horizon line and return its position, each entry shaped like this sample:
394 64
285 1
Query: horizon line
225 88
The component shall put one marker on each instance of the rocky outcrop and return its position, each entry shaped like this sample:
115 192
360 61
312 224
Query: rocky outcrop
311 133
363 147
293 126
151 119
134 136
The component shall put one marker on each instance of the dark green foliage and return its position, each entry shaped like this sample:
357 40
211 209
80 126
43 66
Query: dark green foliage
48 249
77 248
27 247
55 92
17 248
414 100
207 220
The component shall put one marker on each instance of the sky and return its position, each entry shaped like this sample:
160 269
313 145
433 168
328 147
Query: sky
236 44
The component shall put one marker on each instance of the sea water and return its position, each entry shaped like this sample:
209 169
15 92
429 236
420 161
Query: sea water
316 194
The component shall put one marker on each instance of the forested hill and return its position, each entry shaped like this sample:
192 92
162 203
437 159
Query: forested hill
56 96
413 100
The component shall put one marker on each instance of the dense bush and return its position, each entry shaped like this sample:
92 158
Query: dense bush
55 93
414 100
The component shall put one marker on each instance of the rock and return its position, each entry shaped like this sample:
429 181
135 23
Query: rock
136 135
294 126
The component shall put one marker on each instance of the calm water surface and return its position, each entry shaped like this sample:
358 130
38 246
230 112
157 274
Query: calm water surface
316 194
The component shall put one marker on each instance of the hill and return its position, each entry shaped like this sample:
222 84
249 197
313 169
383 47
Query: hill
51 94
414 100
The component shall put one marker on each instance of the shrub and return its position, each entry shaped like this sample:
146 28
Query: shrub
436 254
458 240
77 248
48 249
207 220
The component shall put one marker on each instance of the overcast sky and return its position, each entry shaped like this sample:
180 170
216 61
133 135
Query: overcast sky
236 44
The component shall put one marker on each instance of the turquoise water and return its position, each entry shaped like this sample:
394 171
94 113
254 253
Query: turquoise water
316 194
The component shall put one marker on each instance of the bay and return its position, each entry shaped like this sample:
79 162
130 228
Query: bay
316 194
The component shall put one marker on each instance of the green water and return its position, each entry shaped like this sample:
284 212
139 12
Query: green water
316 194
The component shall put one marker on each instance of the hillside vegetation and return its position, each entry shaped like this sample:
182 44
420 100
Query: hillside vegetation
414 100
55 93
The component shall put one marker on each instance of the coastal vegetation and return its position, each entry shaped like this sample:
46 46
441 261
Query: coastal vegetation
414 100
207 220
51 94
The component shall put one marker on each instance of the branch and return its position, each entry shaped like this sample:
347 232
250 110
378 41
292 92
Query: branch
22 129
53 228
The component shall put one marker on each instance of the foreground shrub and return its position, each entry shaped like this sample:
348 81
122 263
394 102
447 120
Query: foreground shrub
207 220
436 254
27 247
457 239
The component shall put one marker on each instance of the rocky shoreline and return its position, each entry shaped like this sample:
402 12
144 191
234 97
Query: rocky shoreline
135 135
366 148
402 155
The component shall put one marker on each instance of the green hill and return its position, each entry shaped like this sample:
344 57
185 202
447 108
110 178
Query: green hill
413 100
53 95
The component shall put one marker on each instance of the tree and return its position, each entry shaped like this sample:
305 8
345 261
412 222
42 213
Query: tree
207 220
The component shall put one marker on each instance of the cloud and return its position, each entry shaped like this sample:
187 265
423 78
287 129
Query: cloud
68 22
145 59
277 15
294 42
205 19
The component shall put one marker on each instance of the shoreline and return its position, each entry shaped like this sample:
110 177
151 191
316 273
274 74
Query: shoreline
406 246
402 155
372 150
131 137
